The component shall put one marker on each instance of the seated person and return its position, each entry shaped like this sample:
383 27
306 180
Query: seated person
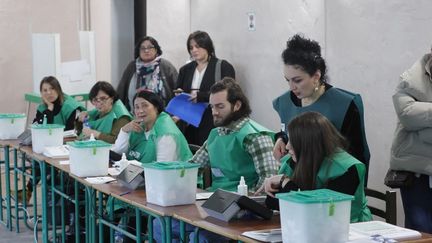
108 117
58 108
238 146
152 135
316 159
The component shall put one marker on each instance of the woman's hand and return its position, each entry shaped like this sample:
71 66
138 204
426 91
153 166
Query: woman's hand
133 125
193 97
49 105
279 150
82 116
177 91
88 132
175 118
270 185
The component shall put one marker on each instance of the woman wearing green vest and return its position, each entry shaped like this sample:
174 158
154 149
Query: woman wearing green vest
316 160
109 115
305 71
152 135
58 108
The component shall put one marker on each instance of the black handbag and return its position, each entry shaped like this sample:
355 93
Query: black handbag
398 178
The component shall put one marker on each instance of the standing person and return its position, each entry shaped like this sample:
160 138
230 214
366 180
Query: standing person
198 76
316 159
412 143
148 71
305 71
108 116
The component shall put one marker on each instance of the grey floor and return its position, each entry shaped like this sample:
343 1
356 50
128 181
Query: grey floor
26 234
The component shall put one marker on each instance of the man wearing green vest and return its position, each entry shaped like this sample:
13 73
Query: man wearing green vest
238 146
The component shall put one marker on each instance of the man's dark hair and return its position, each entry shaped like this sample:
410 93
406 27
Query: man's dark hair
234 94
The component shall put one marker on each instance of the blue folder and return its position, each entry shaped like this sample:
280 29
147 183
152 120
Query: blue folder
186 110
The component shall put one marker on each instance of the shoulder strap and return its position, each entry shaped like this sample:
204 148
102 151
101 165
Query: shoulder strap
218 72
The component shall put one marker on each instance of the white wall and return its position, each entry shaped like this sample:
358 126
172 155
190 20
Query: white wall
370 43
256 54
18 20
169 23
122 37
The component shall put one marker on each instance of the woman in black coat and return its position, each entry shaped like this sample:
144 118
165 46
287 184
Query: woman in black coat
197 77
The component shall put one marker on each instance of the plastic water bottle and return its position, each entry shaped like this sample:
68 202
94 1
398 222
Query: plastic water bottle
118 236
242 188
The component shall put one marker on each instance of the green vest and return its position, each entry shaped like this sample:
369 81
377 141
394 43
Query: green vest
333 104
333 169
69 105
144 150
228 155
104 124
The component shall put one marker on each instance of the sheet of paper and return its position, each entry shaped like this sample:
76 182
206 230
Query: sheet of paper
99 179
64 162
203 195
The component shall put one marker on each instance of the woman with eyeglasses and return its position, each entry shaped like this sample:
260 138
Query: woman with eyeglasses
108 116
197 77
149 71
316 159
305 71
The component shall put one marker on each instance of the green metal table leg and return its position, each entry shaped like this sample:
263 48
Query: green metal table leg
77 218
53 209
100 213
44 202
167 228
138 225
182 232
17 217
150 219
8 197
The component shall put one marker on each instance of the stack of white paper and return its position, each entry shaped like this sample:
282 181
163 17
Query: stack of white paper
56 152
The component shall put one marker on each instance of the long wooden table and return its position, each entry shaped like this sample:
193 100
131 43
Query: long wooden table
191 214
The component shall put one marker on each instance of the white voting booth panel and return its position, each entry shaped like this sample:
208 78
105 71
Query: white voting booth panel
46 57
75 77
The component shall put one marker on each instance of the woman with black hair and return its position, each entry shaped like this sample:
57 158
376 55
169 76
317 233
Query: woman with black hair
152 135
109 115
197 77
316 159
148 71
305 71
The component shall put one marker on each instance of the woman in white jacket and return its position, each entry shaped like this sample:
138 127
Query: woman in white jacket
412 144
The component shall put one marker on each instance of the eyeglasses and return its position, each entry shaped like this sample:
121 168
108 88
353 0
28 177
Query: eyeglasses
148 48
102 99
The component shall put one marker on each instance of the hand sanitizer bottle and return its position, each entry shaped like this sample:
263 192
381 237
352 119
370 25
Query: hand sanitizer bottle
123 163
242 188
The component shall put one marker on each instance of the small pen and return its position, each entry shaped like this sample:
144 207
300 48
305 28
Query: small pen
124 193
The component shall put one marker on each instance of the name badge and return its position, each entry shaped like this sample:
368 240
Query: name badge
217 172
